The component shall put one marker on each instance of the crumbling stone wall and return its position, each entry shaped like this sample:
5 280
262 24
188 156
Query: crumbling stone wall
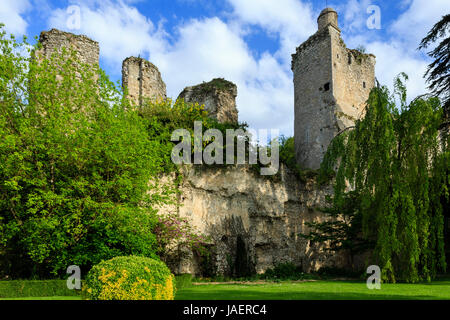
331 86
143 80
218 96
87 50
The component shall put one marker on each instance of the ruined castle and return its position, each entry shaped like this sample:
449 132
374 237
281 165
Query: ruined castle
255 222
331 85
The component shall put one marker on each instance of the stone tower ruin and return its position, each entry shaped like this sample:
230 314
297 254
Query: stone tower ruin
331 85
218 96
143 80
87 50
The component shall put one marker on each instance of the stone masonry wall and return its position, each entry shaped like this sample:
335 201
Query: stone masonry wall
331 85
218 96
314 123
87 49
353 79
143 80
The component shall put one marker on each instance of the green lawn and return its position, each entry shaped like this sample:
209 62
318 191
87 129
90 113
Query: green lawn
314 290
45 298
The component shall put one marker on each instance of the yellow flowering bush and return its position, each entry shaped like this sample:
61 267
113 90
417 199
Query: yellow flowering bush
129 278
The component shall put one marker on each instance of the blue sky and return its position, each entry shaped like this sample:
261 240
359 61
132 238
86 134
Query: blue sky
249 42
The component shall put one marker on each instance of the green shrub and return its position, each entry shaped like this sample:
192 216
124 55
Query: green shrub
129 278
284 271
75 166
183 280
327 272
287 156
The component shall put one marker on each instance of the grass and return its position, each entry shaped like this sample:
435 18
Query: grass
35 288
45 298
309 290
316 290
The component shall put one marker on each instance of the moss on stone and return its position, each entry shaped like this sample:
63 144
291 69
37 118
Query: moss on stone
358 55
219 84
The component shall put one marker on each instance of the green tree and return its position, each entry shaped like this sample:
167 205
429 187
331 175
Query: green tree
390 176
438 72
75 164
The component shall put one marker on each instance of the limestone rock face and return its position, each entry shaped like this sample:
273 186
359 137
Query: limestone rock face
253 222
218 96
87 49
143 80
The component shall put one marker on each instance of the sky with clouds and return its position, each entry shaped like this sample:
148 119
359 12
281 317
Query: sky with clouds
249 42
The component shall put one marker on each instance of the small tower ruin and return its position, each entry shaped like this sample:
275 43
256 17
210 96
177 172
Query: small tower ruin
331 86
87 50
218 96
143 80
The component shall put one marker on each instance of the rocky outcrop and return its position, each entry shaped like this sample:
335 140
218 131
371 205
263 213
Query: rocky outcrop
218 96
254 222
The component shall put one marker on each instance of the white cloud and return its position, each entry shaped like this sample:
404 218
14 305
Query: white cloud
413 25
202 49
210 48
392 59
398 51
292 20
11 12
354 15
120 29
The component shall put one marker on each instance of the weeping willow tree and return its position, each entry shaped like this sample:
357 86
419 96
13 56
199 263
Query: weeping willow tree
391 173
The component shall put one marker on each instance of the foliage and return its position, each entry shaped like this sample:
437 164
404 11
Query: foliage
206 260
164 117
342 232
129 278
174 233
438 72
74 166
333 272
361 48
391 172
359 54
287 156
283 271
215 84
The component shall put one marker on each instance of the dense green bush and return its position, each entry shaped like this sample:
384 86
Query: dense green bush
327 272
283 271
129 278
75 163
287 156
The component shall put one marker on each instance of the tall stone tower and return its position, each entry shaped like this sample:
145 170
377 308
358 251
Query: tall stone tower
331 85
143 80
